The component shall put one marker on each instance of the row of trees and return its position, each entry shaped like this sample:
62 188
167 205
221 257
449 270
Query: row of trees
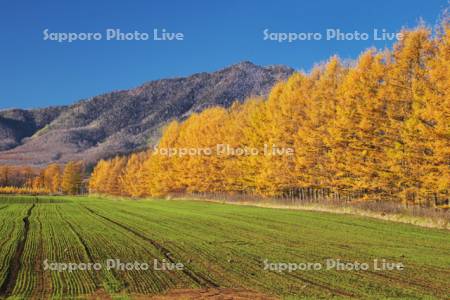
54 179
15 175
378 129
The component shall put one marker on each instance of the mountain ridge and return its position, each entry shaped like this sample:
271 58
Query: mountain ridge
123 121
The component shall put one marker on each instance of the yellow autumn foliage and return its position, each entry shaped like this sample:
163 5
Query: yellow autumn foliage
375 129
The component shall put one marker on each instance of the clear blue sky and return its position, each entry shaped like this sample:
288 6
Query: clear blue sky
38 73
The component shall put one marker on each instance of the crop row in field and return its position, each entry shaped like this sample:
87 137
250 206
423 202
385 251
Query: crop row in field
220 246
230 243
12 234
70 234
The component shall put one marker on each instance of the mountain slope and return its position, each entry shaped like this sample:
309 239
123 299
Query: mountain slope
124 121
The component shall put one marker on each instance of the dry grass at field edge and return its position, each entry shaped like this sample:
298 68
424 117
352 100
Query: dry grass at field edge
393 217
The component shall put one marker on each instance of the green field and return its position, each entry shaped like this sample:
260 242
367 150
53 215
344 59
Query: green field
222 247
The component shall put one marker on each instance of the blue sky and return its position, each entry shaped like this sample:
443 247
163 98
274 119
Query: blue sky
38 73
